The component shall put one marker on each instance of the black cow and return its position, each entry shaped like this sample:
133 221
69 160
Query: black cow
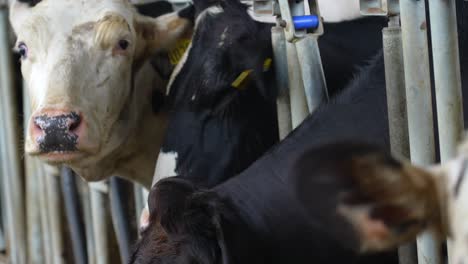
333 205
217 130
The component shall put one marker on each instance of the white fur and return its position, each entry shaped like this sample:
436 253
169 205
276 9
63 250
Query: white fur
165 166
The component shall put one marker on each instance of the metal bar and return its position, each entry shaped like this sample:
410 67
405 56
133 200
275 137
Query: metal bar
313 76
447 78
88 219
12 191
397 114
34 170
120 203
2 240
45 227
99 217
140 203
54 200
395 85
299 108
419 102
72 210
281 72
447 75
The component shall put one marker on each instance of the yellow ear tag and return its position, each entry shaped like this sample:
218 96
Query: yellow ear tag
178 51
267 64
240 80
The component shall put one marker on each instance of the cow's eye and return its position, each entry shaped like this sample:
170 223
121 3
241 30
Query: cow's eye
23 50
123 44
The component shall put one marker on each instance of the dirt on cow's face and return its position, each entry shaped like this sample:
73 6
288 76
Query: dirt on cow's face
82 57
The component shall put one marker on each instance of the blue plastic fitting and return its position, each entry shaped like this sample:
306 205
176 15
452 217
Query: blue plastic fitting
306 22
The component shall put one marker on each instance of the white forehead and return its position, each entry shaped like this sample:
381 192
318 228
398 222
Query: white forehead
64 15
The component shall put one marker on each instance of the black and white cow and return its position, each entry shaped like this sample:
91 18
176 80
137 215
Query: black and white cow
332 204
215 119
222 97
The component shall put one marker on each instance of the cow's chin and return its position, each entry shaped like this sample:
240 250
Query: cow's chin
62 157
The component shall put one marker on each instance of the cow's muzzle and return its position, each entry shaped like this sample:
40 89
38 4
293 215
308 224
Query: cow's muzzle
57 131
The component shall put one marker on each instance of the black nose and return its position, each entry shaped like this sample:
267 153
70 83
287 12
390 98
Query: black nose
57 132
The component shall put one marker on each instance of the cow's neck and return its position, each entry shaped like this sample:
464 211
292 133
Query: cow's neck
136 156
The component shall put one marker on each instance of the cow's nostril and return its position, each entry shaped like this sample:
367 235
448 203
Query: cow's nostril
76 121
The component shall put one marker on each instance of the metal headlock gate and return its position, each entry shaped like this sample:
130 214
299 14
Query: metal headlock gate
41 206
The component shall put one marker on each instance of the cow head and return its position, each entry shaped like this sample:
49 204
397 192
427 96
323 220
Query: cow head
231 45
79 60
186 226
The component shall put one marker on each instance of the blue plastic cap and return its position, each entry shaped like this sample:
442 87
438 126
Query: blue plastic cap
306 22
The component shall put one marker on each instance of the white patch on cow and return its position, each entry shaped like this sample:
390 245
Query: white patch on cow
457 201
165 166
222 38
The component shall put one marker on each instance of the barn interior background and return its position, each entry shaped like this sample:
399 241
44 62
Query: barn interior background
48 215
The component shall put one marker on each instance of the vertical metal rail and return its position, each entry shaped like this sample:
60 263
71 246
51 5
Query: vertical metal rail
419 102
281 72
34 171
395 85
2 240
447 78
98 194
74 219
397 113
54 200
85 192
119 194
299 108
140 203
12 191
313 76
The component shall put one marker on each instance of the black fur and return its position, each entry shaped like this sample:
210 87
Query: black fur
154 9
30 2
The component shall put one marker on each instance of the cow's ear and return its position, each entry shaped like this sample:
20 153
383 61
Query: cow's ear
205 223
389 205
368 200
161 33
167 202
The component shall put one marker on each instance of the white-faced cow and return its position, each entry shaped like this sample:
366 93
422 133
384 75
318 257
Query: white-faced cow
90 88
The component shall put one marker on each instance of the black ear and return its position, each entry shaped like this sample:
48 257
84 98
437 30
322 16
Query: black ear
206 224
154 9
384 202
167 202
30 2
